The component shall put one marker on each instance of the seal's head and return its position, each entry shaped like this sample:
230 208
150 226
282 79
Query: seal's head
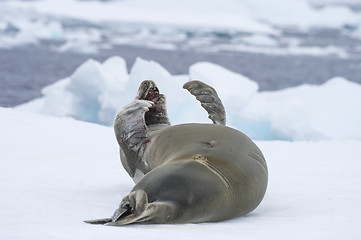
148 90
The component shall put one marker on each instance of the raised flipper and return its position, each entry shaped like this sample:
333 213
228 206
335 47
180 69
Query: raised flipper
130 127
135 208
209 99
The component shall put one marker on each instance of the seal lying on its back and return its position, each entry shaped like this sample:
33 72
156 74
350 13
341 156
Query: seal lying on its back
185 173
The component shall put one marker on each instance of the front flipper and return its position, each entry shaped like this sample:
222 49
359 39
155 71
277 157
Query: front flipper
135 208
130 210
132 205
209 99
132 135
129 125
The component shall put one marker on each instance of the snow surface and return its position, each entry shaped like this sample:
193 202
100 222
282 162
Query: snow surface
56 172
95 92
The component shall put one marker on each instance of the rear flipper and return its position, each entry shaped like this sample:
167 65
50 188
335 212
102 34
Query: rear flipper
209 100
135 208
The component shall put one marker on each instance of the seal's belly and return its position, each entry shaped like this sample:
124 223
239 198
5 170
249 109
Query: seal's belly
214 142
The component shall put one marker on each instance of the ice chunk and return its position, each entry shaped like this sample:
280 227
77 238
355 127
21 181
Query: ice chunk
230 85
19 39
148 70
29 31
92 93
58 99
77 46
309 112
112 99
259 40
3 25
96 90
47 30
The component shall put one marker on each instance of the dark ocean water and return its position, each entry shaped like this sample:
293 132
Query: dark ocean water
24 71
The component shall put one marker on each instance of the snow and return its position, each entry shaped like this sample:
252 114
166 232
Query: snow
96 91
56 172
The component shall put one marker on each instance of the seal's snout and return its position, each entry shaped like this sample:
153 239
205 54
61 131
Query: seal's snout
152 93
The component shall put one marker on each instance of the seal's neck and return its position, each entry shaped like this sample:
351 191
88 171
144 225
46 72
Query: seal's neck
158 114
153 117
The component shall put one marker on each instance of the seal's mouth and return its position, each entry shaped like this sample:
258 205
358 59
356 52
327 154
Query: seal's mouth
148 90
152 94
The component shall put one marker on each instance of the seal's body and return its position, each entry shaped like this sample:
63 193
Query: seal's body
188 172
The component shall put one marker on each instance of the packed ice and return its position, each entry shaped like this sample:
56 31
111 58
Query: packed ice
252 25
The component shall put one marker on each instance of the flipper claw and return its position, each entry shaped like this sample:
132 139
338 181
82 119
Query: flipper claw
99 221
